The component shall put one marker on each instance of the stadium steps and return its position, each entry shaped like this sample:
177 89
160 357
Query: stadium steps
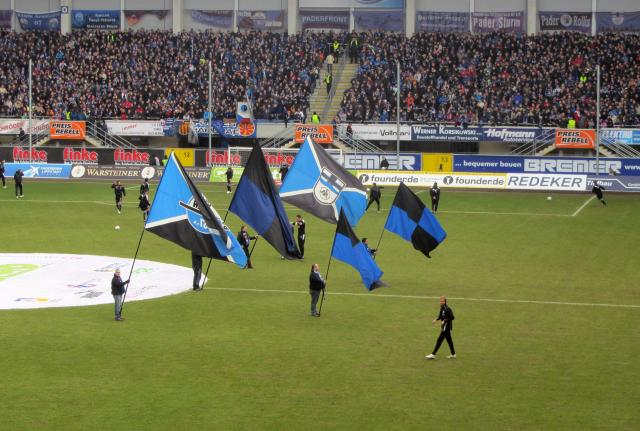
348 72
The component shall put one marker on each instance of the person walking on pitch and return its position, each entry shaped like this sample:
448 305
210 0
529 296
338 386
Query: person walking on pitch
374 196
435 197
597 190
144 205
316 284
229 174
302 226
120 192
445 318
17 178
2 169
144 187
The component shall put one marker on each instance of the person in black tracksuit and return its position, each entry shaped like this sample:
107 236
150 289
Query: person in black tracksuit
372 251
117 290
120 192
445 317
316 284
196 264
435 197
2 169
229 174
374 196
301 233
144 205
245 241
597 190
17 178
144 187
284 170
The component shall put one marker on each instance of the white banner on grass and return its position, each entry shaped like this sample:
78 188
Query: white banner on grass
135 128
34 280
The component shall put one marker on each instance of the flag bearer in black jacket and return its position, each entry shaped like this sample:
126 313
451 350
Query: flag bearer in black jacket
374 196
316 284
435 197
117 290
245 241
445 317
302 226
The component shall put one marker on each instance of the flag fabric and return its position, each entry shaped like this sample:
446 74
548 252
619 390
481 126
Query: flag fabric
316 183
181 214
256 201
409 219
350 250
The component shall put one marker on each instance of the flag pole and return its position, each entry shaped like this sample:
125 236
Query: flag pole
131 272
206 273
254 246
326 278
379 241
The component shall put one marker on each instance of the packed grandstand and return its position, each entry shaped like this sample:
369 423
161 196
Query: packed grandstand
493 78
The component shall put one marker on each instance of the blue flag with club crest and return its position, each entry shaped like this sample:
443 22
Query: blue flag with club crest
316 183
181 214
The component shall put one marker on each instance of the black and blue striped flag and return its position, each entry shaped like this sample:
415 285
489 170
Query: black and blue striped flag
413 222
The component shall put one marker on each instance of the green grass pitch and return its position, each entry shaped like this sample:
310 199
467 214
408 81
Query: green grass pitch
528 279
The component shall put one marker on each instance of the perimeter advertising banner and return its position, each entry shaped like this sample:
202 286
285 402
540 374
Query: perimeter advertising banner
619 136
39 21
12 126
560 165
320 133
445 133
615 183
74 130
570 21
618 21
131 172
92 156
357 161
324 20
575 138
424 179
381 132
442 22
39 170
95 19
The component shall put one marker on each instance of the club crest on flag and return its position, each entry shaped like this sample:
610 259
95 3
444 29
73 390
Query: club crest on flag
328 187
194 215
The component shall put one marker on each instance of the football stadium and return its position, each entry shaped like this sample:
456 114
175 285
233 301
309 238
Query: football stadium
320 214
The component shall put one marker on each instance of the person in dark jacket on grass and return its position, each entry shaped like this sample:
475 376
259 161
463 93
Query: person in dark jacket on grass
117 290
445 317
316 284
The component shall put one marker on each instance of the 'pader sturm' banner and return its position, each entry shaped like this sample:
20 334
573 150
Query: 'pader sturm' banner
67 130
575 138
320 133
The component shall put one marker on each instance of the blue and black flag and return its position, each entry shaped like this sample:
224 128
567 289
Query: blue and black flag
350 250
316 183
256 201
181 214
413 222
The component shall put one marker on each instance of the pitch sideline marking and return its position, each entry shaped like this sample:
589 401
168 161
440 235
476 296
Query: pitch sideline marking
583 206
508 301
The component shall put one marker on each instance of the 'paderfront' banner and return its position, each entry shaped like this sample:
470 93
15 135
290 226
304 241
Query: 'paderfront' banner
324 20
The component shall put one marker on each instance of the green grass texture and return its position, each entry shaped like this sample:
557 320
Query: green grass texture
546 295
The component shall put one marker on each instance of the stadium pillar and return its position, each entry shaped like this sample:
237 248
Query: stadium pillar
292 16
594 9
122 17
398 114
30 110
65 18
597 120
410 17
532 17
176 13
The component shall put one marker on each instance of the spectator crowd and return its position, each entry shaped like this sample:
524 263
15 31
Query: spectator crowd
496 78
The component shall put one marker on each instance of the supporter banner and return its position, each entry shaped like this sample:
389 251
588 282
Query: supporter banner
213 18
379 20
442 22
67 130
131 172
38 170
381 132
134 17
324 20
12 126
95 156
485 22
518 135
139 128
559 182
621 136
5 18
261 19
407 161
445 133
96 19
615 184
39 21
320 133
618 21
360 4
575 138
481 181
225 129
560 165
572 21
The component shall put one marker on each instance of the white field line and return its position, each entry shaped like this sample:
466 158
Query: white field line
508 301
583 206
